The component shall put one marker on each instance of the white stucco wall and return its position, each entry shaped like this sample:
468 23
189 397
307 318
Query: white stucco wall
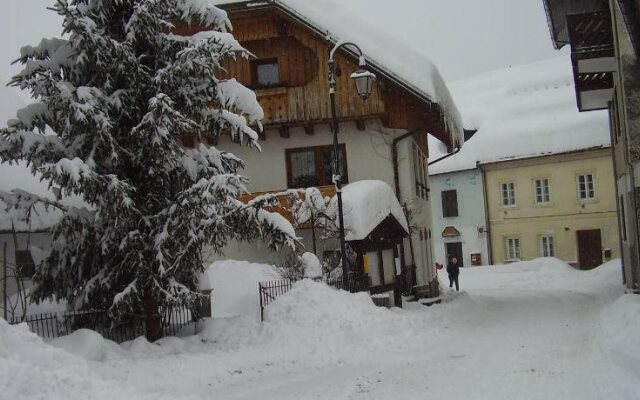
368 157
471 214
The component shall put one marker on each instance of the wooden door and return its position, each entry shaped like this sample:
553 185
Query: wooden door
589 248
455 250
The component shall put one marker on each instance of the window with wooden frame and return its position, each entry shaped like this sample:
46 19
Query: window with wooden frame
265 73
449 203
420 172
547 246
508 194
541 187
312 166
512 247
586 189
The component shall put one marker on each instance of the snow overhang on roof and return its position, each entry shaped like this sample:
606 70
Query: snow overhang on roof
384 56
366 204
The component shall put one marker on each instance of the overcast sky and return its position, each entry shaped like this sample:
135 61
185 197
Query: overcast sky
462 37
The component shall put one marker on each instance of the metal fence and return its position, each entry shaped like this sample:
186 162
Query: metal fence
268 291
53 325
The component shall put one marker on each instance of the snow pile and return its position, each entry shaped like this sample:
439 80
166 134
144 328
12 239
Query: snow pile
86 344
528 110
31 369
319 325
235 287
311 265
365 205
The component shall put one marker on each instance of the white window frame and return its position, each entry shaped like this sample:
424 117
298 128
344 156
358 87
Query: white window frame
510 199
547 245
589 192
512 243
542 192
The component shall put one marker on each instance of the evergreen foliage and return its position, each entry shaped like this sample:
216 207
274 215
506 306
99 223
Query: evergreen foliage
118 92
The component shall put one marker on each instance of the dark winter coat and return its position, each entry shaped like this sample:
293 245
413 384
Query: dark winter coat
453 269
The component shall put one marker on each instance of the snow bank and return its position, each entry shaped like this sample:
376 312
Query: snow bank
31 369
86 344
528 110
316 324
365 205
235 287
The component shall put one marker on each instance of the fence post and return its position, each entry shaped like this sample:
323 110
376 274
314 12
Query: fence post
4 279
261 304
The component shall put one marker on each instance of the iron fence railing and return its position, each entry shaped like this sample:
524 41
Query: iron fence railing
270 290
53 325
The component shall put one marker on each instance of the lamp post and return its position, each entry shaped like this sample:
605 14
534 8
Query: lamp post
363 80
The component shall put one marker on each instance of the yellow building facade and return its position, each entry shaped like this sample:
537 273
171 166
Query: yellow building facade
561 205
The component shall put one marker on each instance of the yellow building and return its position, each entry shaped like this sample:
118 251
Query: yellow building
561 205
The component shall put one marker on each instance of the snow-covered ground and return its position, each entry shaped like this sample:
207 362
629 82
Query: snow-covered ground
530 330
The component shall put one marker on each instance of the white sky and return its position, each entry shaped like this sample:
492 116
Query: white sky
462 37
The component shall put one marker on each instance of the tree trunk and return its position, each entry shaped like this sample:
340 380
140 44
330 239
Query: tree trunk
152 317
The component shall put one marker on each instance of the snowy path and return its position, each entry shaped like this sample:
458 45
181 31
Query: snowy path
536 330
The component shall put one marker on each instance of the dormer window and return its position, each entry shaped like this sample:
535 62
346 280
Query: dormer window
265 73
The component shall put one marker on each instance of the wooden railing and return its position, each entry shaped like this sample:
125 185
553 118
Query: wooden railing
285 207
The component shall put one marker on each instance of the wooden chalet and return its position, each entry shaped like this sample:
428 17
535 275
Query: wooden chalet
382 138
289 75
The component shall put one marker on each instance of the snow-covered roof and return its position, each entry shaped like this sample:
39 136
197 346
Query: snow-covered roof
383 53
365 205
519 112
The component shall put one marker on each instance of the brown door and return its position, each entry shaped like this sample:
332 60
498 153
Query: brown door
589 249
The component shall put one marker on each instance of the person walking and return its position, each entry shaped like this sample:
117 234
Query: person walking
453 269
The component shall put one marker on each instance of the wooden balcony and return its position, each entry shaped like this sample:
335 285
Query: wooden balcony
593 58
285 207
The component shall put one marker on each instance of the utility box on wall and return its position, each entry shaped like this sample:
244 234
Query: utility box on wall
476 259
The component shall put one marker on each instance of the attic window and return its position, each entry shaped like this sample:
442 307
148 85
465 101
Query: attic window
265 72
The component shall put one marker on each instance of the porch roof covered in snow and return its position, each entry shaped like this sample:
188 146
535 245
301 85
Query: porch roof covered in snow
367 206
387 58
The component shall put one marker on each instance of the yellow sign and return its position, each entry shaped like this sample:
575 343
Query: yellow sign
365 262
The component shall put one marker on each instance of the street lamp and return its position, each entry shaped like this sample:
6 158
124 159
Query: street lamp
363 80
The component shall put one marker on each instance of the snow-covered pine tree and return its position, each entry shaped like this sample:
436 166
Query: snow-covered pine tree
118 91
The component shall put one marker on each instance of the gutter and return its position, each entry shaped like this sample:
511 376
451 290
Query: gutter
486 214
456 151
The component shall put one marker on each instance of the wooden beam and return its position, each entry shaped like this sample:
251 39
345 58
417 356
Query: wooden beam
309 130
284 131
